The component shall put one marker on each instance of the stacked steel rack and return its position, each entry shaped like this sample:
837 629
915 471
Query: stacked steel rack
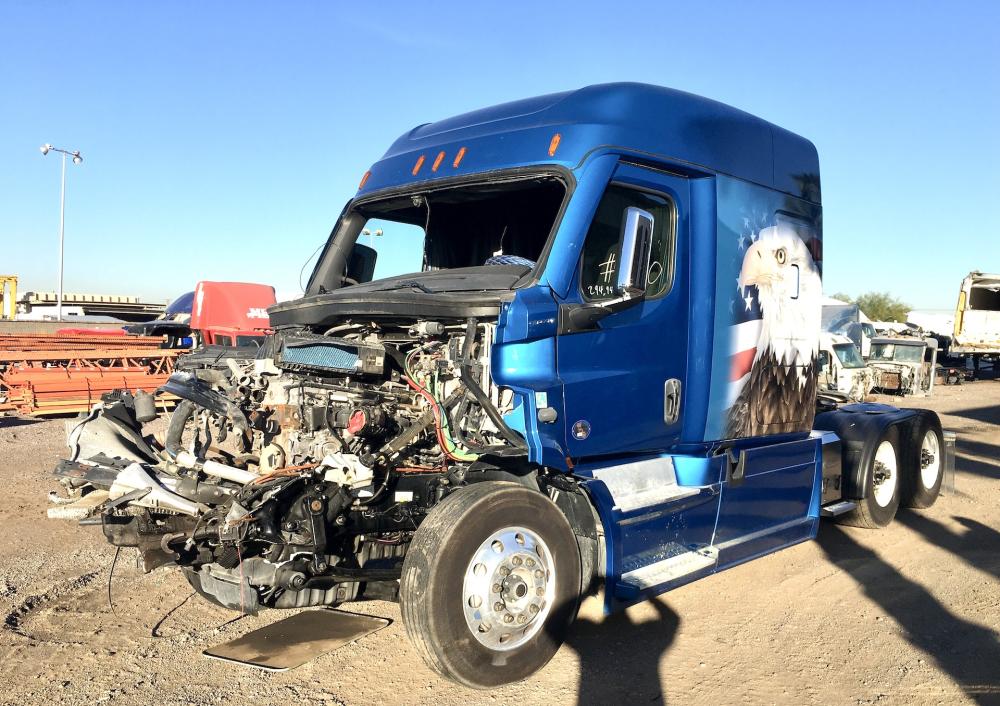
51 374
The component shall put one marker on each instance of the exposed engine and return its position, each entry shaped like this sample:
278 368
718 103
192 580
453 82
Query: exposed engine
297 477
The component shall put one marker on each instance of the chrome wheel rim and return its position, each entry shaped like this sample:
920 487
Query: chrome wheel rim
885 475
930 459
508 588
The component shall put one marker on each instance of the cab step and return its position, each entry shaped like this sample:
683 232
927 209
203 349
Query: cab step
838 508
668 571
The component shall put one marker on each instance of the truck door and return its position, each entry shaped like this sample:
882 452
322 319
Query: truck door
624 376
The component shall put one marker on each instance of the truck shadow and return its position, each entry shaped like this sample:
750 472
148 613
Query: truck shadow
969 653
9 422
966 450
978 546
989 414
619 658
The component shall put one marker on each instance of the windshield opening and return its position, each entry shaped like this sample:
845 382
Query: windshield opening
985 297
848 354
491 224
180 305
899 354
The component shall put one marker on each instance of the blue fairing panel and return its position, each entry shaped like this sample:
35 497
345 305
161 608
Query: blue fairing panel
693 504
524 360
772 506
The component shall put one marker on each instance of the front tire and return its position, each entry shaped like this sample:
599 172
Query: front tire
490 584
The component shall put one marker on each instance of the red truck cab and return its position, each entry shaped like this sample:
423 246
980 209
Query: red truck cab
231 313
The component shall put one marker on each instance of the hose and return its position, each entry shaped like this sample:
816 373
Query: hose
465 373
172 444
183 412
463 406
450 450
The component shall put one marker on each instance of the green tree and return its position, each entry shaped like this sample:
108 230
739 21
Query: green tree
846 298
882 306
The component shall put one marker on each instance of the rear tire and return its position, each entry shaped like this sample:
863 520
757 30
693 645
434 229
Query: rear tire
488 536
882 486
924 470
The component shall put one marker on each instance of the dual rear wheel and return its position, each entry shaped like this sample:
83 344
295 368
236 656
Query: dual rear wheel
905 470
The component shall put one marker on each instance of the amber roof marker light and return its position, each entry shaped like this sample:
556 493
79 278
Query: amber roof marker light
418 165
364 179
554 144
437 161
459 157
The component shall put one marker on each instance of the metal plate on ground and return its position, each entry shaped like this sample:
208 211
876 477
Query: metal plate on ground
294 641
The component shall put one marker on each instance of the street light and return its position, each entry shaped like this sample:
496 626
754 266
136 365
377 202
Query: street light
77 159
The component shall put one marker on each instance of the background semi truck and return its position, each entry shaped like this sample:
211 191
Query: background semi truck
215 313
977 319
601 374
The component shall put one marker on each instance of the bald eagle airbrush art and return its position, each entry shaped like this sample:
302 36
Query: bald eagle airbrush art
779 388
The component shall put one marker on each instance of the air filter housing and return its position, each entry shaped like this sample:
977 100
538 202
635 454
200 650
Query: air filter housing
335 355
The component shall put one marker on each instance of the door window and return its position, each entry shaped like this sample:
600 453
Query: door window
602 248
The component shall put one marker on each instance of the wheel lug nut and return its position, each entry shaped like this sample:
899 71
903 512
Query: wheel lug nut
539 573
530 563
516 561
508 618
539 591
496 588
504 571
522 619
498 606
533 608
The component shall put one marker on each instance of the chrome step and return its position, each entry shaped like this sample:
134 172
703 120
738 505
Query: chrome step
668 570
836 509
642 485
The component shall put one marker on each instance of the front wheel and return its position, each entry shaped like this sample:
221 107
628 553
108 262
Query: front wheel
490 584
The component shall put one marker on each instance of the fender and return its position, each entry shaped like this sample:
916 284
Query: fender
860 426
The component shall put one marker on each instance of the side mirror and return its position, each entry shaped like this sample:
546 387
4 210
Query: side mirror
361 265
636 249
637 244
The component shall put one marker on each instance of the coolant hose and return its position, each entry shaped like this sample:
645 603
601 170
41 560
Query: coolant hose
183 412
465 373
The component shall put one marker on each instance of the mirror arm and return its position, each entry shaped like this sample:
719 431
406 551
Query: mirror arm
575 318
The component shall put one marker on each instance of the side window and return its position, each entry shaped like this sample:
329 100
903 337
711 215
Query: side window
602 248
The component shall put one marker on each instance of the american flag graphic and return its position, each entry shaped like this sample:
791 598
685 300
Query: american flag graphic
745 315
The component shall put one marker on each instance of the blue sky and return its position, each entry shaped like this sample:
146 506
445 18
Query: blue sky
221 140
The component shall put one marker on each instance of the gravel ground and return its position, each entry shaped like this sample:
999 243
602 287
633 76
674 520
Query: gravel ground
907 615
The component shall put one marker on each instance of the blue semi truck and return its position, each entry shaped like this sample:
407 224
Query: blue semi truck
599 374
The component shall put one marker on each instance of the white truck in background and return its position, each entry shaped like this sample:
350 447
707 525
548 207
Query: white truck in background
848 320
842 369
977 318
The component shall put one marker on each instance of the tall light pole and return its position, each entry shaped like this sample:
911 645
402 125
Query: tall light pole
77 159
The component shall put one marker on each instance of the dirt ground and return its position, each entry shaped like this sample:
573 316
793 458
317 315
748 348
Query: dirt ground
907 615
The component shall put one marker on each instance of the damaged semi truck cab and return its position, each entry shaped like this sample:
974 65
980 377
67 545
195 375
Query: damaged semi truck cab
600 372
